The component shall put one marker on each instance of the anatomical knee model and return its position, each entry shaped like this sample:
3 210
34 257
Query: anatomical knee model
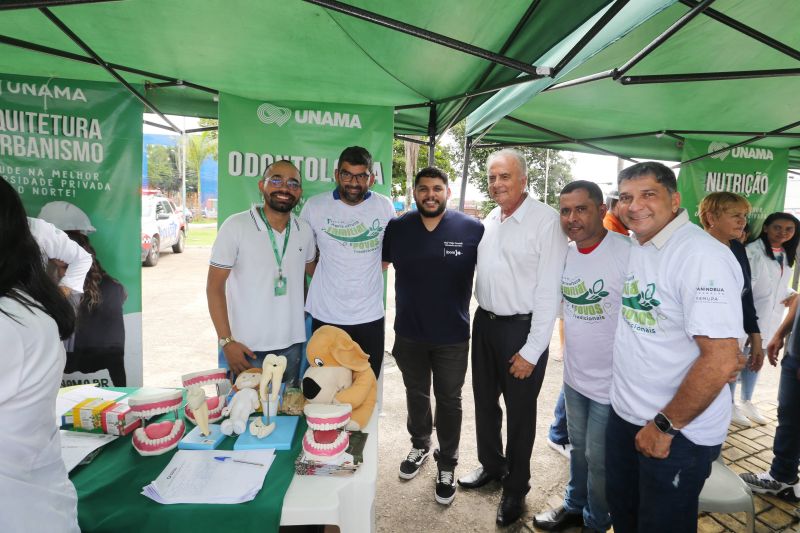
268 389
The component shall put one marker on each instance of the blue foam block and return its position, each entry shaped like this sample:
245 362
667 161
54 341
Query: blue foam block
197 441
279 439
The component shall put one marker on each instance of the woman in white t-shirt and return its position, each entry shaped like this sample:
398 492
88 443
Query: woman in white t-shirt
35 492
771 257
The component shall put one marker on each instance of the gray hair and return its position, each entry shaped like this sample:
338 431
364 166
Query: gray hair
516 155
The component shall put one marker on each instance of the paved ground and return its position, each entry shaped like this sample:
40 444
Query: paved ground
179 338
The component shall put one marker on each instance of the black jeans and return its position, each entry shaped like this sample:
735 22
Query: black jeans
370 336
494 343
653 495
447 363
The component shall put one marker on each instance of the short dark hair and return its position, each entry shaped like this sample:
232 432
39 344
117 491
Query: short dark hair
662 173
431 172
355 155
593 189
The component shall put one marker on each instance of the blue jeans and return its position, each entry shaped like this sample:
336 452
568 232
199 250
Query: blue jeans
293 354
748 379
787 436
586 490
653 495
558 429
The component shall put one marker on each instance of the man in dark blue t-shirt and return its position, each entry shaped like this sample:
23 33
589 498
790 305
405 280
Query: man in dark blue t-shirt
433 251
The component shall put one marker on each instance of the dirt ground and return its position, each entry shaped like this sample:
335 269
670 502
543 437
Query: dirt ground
179 338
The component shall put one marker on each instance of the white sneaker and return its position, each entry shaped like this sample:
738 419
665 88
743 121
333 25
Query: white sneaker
763 483
749 410
738 417
563 449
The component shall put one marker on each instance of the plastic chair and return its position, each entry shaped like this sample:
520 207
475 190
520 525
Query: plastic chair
725 492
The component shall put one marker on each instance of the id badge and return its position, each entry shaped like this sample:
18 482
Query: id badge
280 286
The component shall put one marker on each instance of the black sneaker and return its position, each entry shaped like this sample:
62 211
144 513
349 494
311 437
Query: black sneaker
410 467
763 483
445 487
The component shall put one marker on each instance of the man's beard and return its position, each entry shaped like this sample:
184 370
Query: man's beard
431 213
352 196
279 205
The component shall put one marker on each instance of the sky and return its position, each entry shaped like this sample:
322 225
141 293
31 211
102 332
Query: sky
600 169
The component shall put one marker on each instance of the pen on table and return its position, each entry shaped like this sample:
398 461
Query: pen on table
222 459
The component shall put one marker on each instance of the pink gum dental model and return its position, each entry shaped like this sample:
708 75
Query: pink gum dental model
201 410
160 437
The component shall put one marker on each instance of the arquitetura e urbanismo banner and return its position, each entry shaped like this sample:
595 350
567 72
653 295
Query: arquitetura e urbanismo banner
757 173
72 149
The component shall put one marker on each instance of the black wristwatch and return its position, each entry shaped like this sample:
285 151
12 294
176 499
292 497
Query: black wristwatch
664 424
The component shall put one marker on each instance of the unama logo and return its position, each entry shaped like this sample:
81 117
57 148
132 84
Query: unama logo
714 146
640 308
272 114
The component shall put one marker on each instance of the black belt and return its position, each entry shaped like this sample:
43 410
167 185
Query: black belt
508 318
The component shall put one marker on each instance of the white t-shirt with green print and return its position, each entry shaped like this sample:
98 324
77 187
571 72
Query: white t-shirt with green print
591 291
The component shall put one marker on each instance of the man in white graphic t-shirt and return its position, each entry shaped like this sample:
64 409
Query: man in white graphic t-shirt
591 290
347 287
674 350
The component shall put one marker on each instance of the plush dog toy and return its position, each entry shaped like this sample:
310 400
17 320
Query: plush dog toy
329 351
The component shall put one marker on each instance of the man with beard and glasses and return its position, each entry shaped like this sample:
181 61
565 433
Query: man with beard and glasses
256 277
433 251
348 222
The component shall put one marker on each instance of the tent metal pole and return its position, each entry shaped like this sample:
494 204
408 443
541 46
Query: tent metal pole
580 81
564 137
736 133
709 76
432 136
465 172
77 40
485 75
83 59
200 130
747 30
658 41
742 143
430 36
28 4
524 78
157 125
410 139
589 35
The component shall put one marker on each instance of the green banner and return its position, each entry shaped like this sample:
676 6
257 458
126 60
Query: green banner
79 143
254 133
757 173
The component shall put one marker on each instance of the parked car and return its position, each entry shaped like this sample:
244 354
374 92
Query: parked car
163 226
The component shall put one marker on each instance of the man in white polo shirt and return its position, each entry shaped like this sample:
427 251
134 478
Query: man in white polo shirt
256 277
591 290
675 349
349 222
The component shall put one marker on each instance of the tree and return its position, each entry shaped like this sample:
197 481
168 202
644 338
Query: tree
443 157
557 175
198 148
162 167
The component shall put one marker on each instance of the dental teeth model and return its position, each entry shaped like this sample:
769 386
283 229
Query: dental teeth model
269 388
199 409
160 437
326 438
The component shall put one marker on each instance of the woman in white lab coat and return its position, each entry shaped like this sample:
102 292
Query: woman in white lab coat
35 492
771 257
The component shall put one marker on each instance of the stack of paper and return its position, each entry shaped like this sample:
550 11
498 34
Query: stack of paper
199 476
75 447
341 466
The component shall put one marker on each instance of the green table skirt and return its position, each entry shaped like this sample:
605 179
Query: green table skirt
109 494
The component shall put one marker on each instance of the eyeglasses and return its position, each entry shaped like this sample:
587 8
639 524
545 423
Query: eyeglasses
291 183
346 177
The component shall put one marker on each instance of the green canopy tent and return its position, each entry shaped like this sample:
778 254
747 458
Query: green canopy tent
433 61
727 69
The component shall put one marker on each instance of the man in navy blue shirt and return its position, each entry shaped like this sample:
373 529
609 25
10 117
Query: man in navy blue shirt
434 252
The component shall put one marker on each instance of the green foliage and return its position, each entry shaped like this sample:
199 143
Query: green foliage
443 157
560 172
162 167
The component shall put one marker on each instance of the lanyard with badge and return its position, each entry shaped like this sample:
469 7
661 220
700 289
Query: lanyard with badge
280 281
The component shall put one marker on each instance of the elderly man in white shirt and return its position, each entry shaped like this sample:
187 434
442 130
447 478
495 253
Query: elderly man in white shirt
520 260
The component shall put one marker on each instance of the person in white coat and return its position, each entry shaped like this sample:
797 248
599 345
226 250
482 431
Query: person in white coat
771 258
37 495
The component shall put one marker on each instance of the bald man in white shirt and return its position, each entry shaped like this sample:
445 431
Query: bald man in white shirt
520 261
